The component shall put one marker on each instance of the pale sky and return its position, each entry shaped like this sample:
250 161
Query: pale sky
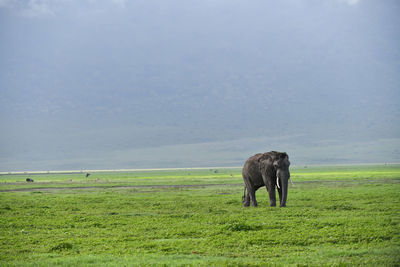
145 83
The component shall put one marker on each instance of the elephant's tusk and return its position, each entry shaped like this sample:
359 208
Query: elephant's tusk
291 181
277 182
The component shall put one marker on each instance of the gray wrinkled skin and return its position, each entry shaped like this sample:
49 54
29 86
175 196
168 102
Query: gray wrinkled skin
266 169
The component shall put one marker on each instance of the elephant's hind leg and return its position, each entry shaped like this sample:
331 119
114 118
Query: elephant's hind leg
250 194
246 201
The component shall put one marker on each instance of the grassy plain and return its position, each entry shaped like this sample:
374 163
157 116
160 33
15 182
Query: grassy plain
343 215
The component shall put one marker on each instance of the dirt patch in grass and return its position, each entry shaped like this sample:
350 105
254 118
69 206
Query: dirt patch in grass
163 186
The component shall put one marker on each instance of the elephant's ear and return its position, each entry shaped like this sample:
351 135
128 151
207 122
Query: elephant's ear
285 157
267 166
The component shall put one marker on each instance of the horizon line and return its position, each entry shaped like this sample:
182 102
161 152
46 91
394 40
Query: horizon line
180 168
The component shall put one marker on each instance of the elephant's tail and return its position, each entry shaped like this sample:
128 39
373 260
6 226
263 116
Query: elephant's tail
244 195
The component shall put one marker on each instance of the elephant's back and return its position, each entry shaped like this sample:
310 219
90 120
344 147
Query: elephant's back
251 162
254 159
251 168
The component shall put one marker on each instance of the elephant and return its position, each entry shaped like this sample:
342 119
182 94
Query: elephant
270 169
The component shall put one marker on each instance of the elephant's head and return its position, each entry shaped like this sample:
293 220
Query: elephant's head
281 164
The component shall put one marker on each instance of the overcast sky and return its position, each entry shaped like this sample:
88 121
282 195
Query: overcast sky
179 83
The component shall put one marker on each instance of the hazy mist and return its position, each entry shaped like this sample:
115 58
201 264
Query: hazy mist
181 83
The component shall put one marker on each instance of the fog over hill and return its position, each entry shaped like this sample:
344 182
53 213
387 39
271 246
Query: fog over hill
144 84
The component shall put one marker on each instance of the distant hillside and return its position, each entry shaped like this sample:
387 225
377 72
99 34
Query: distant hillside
166 85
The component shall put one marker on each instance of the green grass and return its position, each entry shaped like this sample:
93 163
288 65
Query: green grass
109 179
336 216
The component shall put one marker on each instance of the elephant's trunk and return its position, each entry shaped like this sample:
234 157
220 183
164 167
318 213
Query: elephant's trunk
284 193
283 177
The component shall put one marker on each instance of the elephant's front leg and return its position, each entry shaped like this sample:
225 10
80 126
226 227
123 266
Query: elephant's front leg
269 184
280 195
272 196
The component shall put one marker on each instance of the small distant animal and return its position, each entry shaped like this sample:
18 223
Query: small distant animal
29 180
87 175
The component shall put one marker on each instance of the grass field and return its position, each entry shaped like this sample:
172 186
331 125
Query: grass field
336 216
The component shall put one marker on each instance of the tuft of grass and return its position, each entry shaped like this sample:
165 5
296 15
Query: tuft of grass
240 226
62 246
